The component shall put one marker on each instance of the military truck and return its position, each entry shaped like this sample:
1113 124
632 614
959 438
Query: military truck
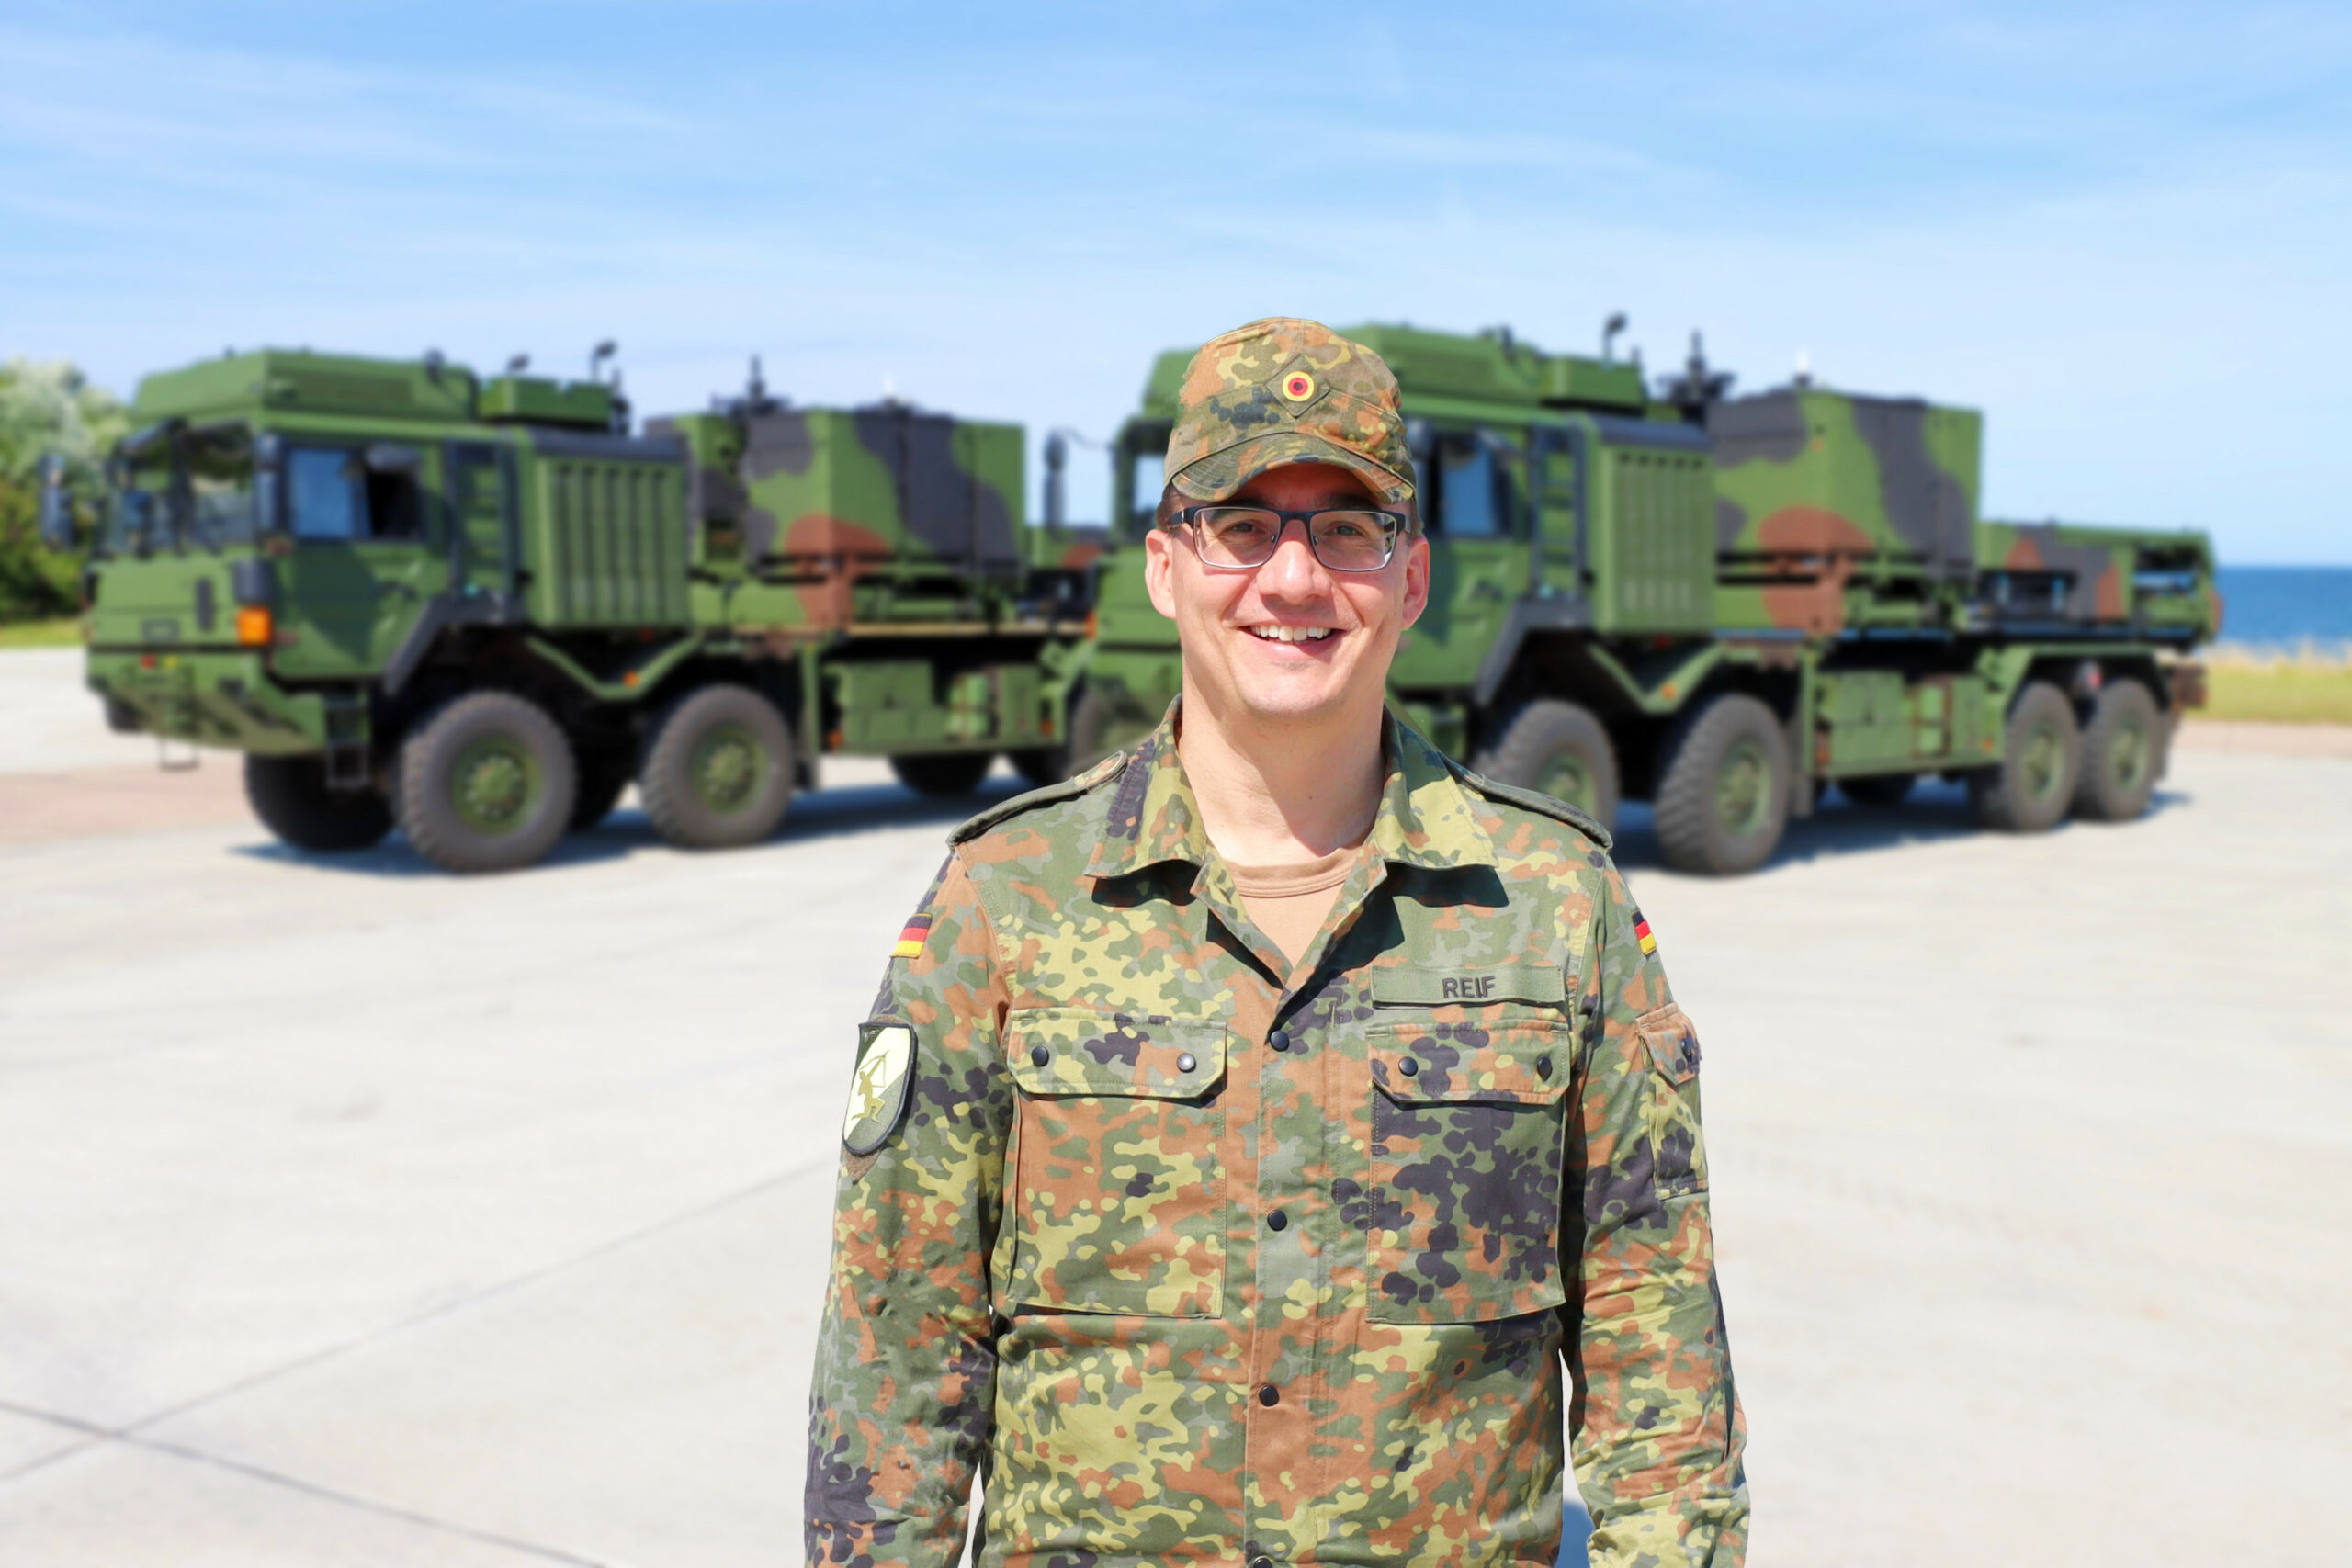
480 608
1726 605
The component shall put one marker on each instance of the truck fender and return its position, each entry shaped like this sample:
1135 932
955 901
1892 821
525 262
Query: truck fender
1530 613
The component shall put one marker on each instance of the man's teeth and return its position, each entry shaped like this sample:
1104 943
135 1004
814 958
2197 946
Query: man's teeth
1292 634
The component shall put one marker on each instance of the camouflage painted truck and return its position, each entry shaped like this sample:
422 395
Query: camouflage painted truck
1726 605
479 609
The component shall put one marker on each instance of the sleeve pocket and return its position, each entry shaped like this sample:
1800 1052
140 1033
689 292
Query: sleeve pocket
1678 1151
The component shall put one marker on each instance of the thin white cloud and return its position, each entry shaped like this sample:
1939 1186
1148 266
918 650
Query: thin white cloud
1015 230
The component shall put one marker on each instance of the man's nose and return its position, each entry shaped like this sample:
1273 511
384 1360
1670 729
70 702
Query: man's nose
1293 573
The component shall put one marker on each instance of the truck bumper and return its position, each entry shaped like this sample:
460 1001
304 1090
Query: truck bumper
224 699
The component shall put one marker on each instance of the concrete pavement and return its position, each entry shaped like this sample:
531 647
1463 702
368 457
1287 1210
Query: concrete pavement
362 1215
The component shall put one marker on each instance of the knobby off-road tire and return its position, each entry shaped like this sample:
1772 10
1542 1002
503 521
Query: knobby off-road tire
1083 744
486 784
1879 790
1041 765
2042 757
942 773
1560 750
1722 796
291 798
604 775
717 769
2124 754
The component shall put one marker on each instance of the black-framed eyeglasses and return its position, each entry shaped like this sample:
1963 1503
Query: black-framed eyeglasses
1234 538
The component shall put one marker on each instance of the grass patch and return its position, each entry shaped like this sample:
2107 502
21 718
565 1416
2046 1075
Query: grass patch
62 633
2313 686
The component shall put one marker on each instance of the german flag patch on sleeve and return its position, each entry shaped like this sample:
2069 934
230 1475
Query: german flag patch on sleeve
1642 934
910 940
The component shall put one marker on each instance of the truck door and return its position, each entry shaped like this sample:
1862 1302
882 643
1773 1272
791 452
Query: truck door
358 572
482 546
1556 491
1474 506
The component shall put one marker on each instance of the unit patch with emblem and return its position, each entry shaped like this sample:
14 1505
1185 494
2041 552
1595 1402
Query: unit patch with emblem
877 1093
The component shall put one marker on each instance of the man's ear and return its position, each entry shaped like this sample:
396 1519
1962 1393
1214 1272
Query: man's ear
1417 577
1160 573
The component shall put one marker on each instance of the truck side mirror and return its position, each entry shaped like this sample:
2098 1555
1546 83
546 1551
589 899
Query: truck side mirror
56 505
1420 440
269 466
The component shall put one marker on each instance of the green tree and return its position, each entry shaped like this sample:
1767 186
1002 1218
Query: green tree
46 408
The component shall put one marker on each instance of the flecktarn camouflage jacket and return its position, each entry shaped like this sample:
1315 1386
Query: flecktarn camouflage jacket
1191 1257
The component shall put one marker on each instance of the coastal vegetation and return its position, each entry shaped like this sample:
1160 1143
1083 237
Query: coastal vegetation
2312 684
45 408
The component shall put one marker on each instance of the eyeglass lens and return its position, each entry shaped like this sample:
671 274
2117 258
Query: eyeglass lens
1246 536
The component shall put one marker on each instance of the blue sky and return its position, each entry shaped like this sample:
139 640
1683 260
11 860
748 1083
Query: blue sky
2121 231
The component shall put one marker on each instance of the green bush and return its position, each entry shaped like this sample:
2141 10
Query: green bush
46 408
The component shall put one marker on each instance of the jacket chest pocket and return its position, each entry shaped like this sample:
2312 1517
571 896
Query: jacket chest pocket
1468 1129
1117 1199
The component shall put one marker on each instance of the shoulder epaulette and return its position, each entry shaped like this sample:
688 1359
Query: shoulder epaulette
1069 789
1534 800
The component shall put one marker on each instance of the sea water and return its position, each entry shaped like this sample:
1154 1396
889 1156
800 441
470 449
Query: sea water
2284 608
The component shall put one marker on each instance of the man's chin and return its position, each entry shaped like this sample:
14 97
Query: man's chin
1294 701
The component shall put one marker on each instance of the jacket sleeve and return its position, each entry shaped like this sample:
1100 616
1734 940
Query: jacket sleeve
1656 1428
902 1404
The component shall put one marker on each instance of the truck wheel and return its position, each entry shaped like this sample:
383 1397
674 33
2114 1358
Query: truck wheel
717 769
486 784
942 773
2122 754
2042 752
1081 745
291 798
1041 765
603 774
1878 789
1559 748
1722 796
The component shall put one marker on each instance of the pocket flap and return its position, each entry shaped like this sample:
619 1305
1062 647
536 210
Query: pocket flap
1077 1051
1526 1063
1673 1043
1538 982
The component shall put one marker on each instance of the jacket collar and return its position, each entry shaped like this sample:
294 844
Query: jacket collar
1425 816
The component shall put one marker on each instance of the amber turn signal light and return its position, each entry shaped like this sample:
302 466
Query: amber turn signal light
254 628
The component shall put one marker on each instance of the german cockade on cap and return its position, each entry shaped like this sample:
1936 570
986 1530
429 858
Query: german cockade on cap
1286 391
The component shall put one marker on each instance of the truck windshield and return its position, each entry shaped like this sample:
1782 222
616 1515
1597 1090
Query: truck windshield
181 488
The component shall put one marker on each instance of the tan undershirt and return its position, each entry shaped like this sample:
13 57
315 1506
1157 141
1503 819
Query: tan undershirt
1290 903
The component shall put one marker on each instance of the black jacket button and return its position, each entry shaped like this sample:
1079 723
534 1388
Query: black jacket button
1279 1039
1278 1221
1409 1066
1038 1056
1269 1396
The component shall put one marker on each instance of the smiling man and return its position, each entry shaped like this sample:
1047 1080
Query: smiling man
1263 1144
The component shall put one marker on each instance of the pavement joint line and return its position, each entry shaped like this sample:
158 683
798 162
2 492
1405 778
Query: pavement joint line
92 1436
368 1505
129 1431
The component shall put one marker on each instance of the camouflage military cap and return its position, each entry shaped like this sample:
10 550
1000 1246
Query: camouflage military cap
1286 391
